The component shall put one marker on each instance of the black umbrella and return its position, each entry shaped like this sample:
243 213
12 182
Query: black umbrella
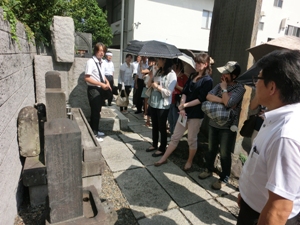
153 49
246 78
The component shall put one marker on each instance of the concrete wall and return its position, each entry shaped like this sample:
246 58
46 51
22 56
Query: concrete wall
16 92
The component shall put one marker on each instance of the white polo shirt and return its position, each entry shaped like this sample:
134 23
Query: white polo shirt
274 161
144 66
126 74
92 70
108 67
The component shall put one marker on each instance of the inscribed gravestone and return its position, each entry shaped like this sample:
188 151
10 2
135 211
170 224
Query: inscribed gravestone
55 98
28 132
63 157
52 79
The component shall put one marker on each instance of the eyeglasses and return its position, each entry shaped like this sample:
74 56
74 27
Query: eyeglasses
256 78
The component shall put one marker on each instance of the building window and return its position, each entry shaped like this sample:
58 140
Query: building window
261 26
206 19
117 8
292 31
278 3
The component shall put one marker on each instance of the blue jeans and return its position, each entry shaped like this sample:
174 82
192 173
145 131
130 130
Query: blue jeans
222 140
173 117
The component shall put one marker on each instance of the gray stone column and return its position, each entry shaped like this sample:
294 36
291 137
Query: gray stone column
63 155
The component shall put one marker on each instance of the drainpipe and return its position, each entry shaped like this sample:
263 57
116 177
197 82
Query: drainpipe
122 32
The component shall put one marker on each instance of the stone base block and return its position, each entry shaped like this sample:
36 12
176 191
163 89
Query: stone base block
93 168
38 195
34 172
94 180
94 211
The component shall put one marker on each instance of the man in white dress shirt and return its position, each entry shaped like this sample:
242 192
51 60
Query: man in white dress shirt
97 85
270 180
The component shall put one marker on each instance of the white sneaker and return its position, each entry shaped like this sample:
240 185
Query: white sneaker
100 134
99 139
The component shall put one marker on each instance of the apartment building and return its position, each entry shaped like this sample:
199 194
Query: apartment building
186 24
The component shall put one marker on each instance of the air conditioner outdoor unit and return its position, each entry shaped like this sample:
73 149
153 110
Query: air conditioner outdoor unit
262 13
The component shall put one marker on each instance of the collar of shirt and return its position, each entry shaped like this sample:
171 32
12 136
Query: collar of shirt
97 60
281 112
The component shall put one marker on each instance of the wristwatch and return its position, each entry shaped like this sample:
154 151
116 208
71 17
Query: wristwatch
224 90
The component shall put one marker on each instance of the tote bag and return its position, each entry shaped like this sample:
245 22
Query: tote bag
122 101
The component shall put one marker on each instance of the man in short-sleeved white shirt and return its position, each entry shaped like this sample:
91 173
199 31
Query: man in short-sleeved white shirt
97 85
270 181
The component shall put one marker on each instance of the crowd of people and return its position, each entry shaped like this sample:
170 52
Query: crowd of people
270 181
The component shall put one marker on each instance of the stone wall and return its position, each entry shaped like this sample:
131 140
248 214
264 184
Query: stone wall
16 92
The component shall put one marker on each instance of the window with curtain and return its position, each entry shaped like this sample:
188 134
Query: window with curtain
292 31
206 19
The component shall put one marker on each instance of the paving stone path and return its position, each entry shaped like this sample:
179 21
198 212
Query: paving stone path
165 194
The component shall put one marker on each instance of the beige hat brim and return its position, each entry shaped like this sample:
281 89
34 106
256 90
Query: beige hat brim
222 70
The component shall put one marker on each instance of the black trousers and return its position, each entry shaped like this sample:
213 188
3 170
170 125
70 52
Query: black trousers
248 216
159 119
110 79
139 99
127 90
95 96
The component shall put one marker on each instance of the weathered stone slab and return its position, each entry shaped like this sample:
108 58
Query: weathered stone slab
174 180
230 203
139 128
52 79
147 136
63 155
173 216
91 147
130 137
34 172
109 139
55 104
208 212
63 40
143 193
206 184
28 132
139 150
118 157
42 64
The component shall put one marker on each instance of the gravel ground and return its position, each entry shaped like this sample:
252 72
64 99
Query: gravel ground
111 192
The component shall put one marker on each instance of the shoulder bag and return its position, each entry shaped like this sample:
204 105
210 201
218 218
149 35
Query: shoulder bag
248 127
122 101
217 112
